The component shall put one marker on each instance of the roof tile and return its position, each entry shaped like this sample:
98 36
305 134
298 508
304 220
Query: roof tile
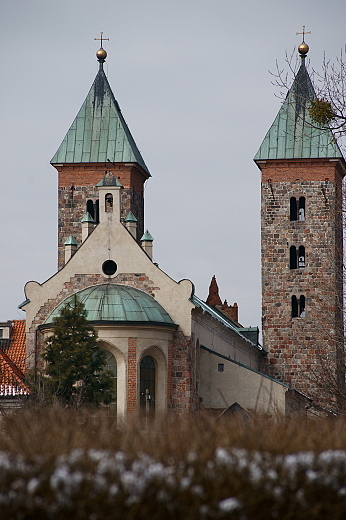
12 362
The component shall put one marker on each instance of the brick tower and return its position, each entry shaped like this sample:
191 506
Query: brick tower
301 225
97 142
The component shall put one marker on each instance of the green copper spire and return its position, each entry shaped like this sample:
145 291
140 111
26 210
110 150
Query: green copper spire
147 237
293 135
87 218
99 133
71 241
130 217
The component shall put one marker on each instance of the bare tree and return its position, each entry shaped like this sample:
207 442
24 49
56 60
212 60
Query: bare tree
328 109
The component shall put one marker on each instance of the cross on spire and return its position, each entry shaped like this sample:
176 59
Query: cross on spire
303 33
104 39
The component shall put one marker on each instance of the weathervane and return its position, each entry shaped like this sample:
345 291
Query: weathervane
105 39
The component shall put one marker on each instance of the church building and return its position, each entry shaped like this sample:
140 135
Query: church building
163 344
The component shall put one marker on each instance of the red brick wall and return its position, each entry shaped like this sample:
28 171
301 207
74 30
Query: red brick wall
301 350
132 376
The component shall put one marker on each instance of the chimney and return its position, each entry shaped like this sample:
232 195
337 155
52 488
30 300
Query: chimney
230 310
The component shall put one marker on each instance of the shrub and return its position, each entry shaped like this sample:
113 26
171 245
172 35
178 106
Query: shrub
61 464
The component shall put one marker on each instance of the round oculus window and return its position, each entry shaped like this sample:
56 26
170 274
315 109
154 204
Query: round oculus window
109 267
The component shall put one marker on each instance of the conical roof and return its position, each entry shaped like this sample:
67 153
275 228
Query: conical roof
146 237
293 134
99 133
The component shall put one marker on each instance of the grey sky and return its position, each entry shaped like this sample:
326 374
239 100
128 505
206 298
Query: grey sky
192 80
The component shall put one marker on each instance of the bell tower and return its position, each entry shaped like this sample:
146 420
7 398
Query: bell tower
98 141
302 169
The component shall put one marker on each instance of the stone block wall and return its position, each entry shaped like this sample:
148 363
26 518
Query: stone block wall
304 352
181 381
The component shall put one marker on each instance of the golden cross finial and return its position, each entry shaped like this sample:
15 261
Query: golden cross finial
102 39
304 33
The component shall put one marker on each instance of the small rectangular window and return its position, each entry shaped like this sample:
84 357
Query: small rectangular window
221 367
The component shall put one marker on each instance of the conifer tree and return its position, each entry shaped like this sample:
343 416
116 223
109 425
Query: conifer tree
75 365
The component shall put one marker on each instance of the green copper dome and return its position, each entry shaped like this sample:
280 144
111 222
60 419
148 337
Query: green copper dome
117 303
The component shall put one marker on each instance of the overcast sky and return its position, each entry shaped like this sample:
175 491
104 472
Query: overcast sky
192 80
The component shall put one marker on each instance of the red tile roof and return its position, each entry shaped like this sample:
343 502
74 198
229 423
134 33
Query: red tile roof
12 362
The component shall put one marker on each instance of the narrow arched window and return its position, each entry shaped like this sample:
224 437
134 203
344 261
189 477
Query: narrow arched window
301 209
293 257
293 208
90 208
109 202
97 211
111 366
297 208
147 381
298 307
302 306
301 256
294 307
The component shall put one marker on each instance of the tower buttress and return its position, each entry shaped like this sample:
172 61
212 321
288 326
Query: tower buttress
302 248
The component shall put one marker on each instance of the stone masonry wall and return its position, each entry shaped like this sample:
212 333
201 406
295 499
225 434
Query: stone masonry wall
181 381
304 352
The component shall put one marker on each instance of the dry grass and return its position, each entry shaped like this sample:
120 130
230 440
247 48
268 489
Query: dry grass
60 464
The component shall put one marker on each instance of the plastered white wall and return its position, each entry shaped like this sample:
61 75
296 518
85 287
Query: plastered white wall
239 384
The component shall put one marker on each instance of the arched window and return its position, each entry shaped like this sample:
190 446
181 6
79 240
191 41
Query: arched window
302 307
297 209
93 209
297 257
97 212
147 381
294 307
301 209
111 365
90 208
109 202
301 256
293 208
293 257
298 306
